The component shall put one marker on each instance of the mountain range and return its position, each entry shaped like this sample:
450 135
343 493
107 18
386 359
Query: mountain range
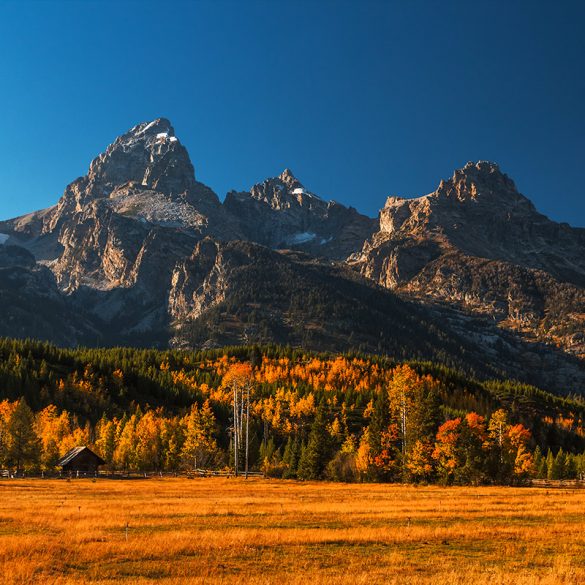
139 252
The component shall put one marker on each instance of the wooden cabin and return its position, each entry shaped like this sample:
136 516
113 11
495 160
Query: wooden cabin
80 460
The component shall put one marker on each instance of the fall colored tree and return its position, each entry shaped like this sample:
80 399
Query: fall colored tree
239 379
413 408
511 459
199 446
419 465
105 442
23 446
446 452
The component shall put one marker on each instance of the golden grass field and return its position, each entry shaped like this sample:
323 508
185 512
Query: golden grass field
221 530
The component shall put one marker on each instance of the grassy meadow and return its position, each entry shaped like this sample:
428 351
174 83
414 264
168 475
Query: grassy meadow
221 530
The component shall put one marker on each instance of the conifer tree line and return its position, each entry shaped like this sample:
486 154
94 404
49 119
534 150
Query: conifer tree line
282 411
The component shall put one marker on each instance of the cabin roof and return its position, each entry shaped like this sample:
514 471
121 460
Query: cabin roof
71 455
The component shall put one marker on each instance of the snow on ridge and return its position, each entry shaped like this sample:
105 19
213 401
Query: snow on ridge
162 136
303 191
150 125
3 238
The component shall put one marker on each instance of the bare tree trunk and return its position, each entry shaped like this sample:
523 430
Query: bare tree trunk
236 430
241 415
247 425
403 424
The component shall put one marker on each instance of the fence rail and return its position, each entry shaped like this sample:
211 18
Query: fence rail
192 473
196 473
558 483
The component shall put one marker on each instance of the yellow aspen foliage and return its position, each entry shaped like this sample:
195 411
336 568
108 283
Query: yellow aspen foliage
363 460
420 461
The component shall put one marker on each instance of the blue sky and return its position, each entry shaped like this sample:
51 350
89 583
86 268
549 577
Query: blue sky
360 99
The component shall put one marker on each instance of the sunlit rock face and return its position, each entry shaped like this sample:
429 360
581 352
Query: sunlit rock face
477 244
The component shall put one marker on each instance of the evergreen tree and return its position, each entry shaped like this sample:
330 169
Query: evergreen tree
473 455
290 458
315 456
550 461
539 463
570 466
558 466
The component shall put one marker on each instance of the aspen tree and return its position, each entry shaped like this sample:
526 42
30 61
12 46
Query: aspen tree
239 379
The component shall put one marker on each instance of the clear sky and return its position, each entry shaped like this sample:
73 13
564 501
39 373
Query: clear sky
360 99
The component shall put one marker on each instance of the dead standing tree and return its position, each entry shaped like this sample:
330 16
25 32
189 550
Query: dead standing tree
239 379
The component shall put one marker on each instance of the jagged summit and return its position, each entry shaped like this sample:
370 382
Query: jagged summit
480 180
482 166
149 155
287 178
286 175
478 209
154 127
483 172
481 183
147 134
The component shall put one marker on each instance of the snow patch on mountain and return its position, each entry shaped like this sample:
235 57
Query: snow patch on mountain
301 238
3 238
303 191
147 127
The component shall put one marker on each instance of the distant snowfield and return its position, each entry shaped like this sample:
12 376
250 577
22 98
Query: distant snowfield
3 238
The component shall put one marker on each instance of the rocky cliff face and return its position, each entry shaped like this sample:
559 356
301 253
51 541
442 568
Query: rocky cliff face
479 245
139 252
31 304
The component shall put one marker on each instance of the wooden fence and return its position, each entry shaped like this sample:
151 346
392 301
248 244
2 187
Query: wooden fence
558 483
193 473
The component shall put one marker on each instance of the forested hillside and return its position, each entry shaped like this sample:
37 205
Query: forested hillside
346 417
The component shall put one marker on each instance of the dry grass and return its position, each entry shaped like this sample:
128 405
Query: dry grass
231 531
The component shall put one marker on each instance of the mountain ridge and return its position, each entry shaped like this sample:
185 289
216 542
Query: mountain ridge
149 255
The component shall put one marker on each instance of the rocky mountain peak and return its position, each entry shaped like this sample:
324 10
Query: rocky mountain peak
481 181
147 170
158 126
149 155
144 177
285 192
289 180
